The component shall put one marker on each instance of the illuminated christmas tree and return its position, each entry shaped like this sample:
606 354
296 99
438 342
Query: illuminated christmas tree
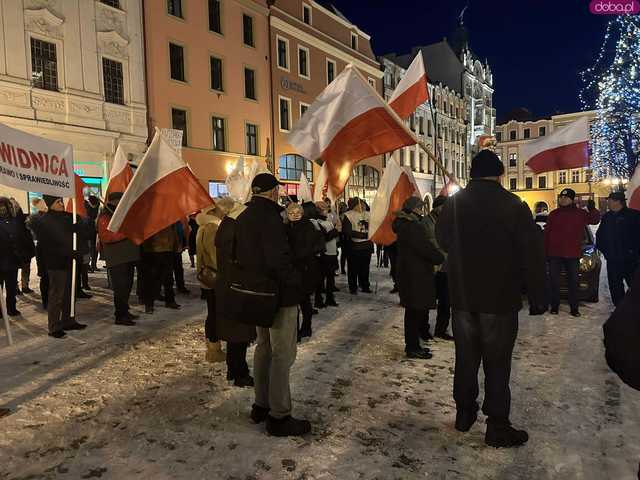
612 87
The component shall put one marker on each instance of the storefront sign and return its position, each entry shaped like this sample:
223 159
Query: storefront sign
35 164
290 85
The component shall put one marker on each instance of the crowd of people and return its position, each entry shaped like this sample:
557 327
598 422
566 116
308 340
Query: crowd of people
265 269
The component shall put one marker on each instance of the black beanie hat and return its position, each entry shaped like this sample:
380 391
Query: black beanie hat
568 192
486 164
411 203
50 200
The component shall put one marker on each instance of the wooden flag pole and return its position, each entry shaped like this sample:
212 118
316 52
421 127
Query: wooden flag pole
433 157
72 311
3 306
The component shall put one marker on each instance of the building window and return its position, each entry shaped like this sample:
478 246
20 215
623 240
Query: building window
412 122
283 53
421 162
429 128
216 74
562 177
527 133
292 166
218 189
528 183
174 7
542 131
303 108
215 20
513 159
354 41
513 184
402 157
176 57
303 62
285 114
219 142
111 3
512 135
179 122
575 176
421 125
44 65
252 139
542 182
363 183
498 136
412 159
247 30
306 14
331 71
250 83
113 84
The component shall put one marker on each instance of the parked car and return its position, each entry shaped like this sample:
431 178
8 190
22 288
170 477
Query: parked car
588 270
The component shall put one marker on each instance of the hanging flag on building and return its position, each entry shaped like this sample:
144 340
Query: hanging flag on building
304 192
346 123
633 190
412 90
567 147
162 191
121 173
397 184
80 208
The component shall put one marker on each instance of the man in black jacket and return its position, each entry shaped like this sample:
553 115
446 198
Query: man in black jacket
54 232
262 249
618 238
492 247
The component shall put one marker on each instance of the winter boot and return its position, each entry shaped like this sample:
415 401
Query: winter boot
503 435
259 414
466 418
215 353
319 302
287 426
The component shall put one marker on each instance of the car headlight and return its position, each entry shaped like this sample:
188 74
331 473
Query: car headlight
587 263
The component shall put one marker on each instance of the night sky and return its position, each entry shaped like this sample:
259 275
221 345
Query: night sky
535 47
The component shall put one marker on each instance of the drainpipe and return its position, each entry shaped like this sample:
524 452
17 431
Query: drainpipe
271 155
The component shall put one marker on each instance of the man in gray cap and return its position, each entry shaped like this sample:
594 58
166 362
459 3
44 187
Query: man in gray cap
618 238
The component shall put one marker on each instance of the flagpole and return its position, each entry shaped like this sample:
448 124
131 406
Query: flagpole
433 157
3 305
72 311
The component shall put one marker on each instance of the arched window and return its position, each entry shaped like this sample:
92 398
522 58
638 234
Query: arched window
363 183
292 166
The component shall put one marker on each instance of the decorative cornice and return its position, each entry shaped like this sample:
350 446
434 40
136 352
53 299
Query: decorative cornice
44 21
113 43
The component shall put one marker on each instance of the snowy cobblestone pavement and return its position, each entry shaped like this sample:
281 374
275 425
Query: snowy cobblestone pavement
141 403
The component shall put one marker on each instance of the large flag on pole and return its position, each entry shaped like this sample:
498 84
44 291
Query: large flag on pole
121 173
633 190
346 123
80 208
567 147
397 184
162 191
412 89
304 192
321 190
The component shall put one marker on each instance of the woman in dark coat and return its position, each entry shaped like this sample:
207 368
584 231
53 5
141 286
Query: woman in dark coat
13 249
417 256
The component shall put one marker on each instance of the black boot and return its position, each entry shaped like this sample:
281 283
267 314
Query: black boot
244 381
466 418
287 426
503 435
259 414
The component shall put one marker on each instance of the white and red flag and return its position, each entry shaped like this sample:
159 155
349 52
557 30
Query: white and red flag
346 123
412 90
80 208
633 190
162 191
567 147
397 184
304 191
121 173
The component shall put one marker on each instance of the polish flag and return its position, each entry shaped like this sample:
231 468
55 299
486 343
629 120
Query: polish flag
412 90
397 184
162 191
121 173
304 191
80 209
346 123
633 190
567 147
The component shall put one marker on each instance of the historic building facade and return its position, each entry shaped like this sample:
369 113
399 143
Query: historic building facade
541 191
74 72
311 43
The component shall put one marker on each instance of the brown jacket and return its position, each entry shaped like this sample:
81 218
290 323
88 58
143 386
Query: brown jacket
205 243
162 242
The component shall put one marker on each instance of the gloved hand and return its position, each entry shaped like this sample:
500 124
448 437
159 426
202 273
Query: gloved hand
591 205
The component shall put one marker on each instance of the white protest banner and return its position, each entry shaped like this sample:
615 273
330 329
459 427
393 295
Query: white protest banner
35 164
173 137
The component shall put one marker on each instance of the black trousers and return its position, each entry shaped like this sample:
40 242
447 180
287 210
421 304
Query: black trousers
570 265
157 267
393 257
177 271
619 272
210 331
444 307
139 279
413 323
9 281
237 359
93 253
489 339
122 282
307 311
328 281
59 300
44 289
359 263
343 259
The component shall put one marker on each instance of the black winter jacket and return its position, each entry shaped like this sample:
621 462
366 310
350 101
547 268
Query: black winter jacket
618 236
417 256
306 244
494 249
263 247
14 244
54 233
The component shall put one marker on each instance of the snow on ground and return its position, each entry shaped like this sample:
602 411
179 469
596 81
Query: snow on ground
141 403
